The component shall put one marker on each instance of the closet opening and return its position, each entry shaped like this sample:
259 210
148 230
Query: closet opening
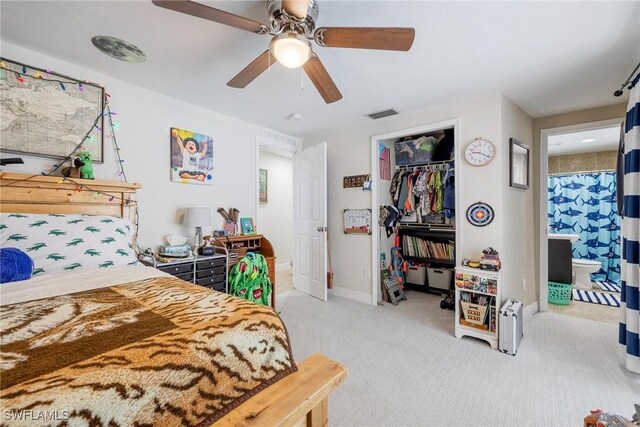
415 200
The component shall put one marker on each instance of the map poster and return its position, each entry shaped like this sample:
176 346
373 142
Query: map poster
47 114
191 157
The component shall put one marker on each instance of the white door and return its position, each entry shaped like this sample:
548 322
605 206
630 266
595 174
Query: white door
310 221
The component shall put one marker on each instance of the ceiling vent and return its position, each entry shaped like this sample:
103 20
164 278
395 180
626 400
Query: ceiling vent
382 114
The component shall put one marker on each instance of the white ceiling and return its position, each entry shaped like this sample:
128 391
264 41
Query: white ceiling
548 57
604 139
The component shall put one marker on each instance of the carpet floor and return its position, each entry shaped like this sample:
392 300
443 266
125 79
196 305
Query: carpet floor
406 368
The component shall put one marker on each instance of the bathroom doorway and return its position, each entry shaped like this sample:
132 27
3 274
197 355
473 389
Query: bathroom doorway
579 218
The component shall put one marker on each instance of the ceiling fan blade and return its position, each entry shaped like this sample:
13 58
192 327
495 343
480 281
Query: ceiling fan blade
322 80
209 13
253 70
366 37
297 8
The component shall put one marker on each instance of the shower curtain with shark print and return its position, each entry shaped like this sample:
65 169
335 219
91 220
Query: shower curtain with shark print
585 204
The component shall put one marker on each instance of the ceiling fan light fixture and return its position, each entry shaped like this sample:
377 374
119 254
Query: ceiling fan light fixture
291 50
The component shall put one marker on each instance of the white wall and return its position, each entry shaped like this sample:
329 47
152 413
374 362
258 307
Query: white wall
145 118
275 218
518 256
349 153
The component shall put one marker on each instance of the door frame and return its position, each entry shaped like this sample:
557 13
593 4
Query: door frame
375 177
543 264
275 147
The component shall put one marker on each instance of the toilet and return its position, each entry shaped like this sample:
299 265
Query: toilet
582 269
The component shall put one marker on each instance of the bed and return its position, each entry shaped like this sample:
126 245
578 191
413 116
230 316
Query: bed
132 345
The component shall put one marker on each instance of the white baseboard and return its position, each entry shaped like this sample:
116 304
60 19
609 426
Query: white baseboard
282 267
351 294
529 311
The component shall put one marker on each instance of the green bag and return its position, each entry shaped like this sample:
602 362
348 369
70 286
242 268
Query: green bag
249 279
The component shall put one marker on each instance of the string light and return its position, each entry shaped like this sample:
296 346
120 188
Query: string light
62 86
80 87
38 75
116 126
20 79
24 69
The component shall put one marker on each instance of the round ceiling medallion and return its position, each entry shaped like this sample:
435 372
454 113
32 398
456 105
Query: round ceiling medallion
119 49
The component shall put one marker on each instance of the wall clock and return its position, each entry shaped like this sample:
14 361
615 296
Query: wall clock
480 152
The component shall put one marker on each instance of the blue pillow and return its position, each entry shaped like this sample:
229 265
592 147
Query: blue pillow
15 265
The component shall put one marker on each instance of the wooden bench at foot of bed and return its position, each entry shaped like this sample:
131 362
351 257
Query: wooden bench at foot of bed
300 399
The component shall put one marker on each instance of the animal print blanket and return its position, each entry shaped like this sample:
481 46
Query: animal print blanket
158 351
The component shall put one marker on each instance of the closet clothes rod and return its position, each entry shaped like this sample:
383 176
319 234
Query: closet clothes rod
426 165
581 172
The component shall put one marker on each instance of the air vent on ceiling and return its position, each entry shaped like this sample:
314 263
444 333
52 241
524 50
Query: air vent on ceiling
381 114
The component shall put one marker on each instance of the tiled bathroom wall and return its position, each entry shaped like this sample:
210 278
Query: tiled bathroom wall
583 162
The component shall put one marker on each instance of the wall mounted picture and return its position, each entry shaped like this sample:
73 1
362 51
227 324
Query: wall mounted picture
262 180
46 114
191 157
357 221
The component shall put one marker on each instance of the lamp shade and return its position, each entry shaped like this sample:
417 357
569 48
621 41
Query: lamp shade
291 50
197 217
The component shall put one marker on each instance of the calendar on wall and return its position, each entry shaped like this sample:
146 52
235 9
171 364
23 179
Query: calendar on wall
357 221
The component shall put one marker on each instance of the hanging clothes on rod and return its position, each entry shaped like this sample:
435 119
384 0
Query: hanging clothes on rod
419 191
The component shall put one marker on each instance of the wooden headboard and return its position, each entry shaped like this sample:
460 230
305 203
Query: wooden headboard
38 194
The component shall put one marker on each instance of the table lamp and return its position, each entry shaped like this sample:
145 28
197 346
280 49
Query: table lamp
197 218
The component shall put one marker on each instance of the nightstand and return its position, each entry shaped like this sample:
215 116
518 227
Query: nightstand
209 271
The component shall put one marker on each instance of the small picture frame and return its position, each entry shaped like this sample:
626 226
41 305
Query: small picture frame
246 225
263 181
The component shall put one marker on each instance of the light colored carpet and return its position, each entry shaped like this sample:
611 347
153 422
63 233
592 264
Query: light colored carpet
407 369
284 281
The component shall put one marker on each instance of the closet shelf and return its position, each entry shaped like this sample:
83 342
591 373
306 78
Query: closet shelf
427 227
431 260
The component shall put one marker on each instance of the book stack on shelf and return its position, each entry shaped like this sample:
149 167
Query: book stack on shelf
413 246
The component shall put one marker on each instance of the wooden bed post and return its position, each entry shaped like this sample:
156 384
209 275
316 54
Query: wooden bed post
319 416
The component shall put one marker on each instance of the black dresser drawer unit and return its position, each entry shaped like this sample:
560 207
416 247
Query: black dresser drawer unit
211 263
213 281
204 270
176 269
187 277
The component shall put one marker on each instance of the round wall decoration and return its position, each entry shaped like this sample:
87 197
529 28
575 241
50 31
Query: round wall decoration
480 214
480 152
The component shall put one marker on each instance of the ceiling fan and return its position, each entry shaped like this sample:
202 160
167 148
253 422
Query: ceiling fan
292 25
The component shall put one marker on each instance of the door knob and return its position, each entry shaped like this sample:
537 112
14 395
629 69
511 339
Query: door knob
321 229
